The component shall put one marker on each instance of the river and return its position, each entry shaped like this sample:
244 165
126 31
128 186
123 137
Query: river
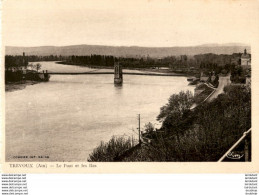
66 118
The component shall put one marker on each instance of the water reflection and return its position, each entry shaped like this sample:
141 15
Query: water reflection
118 85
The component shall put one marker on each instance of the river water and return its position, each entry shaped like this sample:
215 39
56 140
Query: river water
66 118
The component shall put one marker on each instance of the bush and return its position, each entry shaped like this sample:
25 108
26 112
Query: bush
149 128
238 75
107 152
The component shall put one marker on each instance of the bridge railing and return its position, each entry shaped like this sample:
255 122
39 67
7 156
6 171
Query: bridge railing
236 144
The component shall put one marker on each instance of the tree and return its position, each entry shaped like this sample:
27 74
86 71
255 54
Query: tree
149 127
38 67
174 115
31 66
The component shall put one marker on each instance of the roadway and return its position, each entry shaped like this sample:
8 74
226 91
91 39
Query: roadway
223 81
109 72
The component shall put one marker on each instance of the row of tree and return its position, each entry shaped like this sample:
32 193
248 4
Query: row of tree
203 61
15 62
18 62
207 62
239 74
96 60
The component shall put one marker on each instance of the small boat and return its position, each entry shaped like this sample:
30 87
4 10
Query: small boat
194 81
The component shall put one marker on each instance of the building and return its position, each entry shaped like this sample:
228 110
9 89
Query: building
246 60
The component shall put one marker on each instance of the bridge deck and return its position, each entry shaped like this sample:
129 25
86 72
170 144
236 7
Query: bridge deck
124 73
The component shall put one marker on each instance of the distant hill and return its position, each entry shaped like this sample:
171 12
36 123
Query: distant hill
124 51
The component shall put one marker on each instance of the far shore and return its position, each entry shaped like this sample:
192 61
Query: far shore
155 70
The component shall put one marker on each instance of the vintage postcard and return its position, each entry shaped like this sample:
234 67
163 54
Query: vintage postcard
118 86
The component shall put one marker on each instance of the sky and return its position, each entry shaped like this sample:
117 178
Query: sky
163 23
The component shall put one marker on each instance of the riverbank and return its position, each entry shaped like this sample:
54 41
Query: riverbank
19 85
202 134
79 102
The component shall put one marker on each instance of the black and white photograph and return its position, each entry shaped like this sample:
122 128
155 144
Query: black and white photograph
128 81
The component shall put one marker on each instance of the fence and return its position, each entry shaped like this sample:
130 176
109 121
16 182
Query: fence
246 150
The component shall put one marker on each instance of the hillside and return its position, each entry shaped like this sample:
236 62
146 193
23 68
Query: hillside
132 51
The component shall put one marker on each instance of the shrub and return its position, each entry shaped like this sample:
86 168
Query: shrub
116 146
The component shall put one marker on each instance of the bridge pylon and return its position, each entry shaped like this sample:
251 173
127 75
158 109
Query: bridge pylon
118 78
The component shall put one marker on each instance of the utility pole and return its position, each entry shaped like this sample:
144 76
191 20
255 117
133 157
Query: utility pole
139 128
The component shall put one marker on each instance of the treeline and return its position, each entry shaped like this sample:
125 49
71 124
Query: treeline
239 74
34 58
96 60
15 62
99 60
206 62
211 60
218 63
19 61
203 61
